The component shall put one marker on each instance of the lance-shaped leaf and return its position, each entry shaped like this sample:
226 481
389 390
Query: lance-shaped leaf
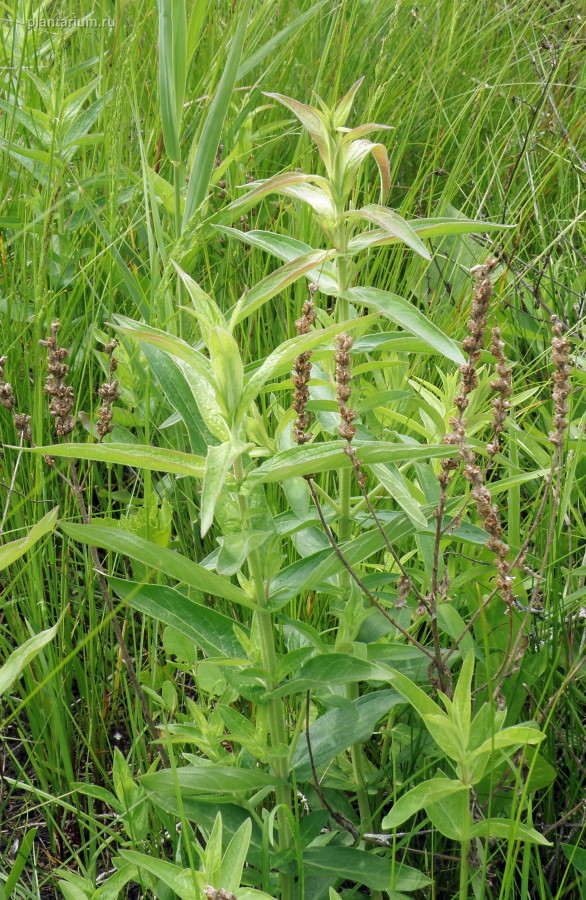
218 463
356 153
276 282
168 342
461 712
195 367
13 550
304 460
515 736
419 798
345 105
352 134
172 72
504 828
209 629
209 139
227 367
287 248
318 199
141 456
379 237
394 224
407 316
21 657
166 561
312 121
206 311
258 190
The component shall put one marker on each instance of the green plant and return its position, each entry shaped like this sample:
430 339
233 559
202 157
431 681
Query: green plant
487 115
222 399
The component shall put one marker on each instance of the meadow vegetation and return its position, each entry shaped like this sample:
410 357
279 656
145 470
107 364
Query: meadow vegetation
292 540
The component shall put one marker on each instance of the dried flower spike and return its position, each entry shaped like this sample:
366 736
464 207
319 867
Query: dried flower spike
302 370
560 357
7 399
61 393
109 393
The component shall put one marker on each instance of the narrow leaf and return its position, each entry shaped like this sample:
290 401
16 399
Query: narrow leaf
407 316
166 561
203 162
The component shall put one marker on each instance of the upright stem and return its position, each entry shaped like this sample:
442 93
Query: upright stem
275 708
464 853
345 534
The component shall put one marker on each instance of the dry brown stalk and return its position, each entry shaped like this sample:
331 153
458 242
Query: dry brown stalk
109 393
302 369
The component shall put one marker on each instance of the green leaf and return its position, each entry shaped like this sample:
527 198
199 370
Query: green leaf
393 481
424 705
407 316
218 780
463 698
379 237
175 346
275 185
234 857
356 153
287 248
166 561
207 147
172 72
168 374
218 463
311 121
446 735
339 728
445 225
393 224
209 629
304 460
514 736
186 883
13 550
20 658
419 797
24 852
451 815
206 310
227 368
155 459
504 828
277 281
111 889
235 548
362 867
344 107
576 855
331 669
195 367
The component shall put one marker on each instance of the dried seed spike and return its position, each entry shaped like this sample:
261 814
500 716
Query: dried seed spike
109 393
7 398
560 356
302 369
61 403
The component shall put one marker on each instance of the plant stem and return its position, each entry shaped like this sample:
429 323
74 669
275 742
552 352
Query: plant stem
464 853
275 708
345 534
